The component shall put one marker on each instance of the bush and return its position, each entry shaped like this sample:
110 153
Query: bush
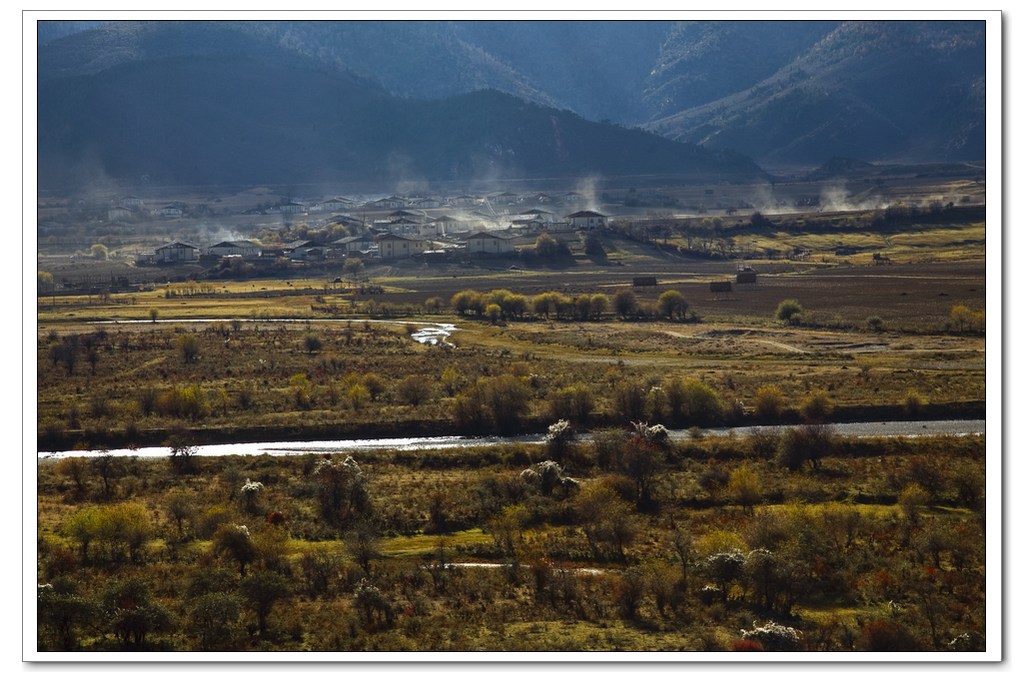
188 344
774 637
816 407
769 402
789 311
808 443
414 389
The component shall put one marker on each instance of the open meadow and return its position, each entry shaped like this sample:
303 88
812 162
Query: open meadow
792 539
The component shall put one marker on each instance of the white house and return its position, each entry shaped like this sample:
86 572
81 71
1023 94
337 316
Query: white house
243 248
587 220
489 242
171 211
337 204
353 245
119 213
305 250
176 252
397 246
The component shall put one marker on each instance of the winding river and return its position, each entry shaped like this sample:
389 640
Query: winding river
907 429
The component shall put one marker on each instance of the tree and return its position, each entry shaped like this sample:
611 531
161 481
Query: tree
62 612
363 544
546 246
153 314
789 311
99 252
132 613
672 305
493 312
625 303
182 453
261 591
745 488
188 344
354 267
599 305
44 281
235 542
965 319
213 619
341 490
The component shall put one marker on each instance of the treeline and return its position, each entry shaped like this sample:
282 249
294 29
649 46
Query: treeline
502 304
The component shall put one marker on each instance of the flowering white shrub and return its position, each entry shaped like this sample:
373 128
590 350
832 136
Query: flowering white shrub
548 476
251 487
774 637
655 434
560 431
250 491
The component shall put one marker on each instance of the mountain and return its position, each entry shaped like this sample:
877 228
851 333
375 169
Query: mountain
888 91
179 103
781 92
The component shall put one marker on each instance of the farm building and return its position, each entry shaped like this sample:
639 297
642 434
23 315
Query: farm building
746 275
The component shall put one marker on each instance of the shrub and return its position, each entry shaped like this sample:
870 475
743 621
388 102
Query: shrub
745 488
816 407
414 389
913 403
789 311
807 443
313 343
574 403
559 440
769 402
774 637
188 344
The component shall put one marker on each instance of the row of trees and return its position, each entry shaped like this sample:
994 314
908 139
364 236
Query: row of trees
502 304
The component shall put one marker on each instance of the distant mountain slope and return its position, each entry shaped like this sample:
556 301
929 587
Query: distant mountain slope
782 92
702 61
266 118
879 90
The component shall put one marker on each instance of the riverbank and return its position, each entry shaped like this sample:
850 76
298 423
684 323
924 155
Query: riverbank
84 439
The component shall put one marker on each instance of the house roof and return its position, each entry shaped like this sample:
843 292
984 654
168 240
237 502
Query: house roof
175 245
396 237
586 214
491 235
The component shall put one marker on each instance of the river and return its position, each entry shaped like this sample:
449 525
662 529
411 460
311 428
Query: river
909 429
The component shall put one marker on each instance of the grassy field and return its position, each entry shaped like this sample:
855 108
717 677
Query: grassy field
789 540
878 546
